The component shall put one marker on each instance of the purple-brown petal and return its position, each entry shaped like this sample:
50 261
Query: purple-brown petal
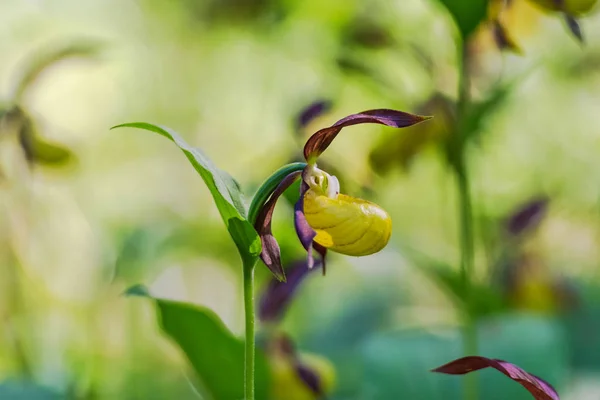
271 254
320 140
278 295
539 388
304 231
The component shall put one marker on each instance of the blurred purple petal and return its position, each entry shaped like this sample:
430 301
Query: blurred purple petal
310 378
503 40
540 389
311 112
574 27
527 216
285 346
319 141
271 254
278 295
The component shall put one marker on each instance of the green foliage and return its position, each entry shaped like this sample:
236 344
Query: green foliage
41 60
467 14
397 365
225 190
215 353
25 390
489 299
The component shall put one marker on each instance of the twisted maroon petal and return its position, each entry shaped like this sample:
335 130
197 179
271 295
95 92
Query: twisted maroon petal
320 140
539 388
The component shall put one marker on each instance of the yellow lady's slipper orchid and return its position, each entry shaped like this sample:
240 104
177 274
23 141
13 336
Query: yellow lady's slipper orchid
323 218
345 224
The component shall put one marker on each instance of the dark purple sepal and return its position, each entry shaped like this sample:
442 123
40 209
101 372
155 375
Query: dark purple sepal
304 231
539 388
271 254
320 140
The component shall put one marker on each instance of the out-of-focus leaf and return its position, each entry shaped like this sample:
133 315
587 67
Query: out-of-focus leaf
394 150
479 112
225 190
539 388
489 299
367 32
215 354
42 59
467 14
396 364
49 154
582 325
24 390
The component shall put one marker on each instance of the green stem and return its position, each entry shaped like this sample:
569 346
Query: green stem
249 347
262 195
467 245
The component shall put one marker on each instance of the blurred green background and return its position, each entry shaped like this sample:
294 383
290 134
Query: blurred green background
88 212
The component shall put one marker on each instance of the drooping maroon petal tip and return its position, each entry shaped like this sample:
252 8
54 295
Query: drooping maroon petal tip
271 253
320 140
539 388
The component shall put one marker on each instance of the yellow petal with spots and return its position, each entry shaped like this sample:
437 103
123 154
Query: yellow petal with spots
347 225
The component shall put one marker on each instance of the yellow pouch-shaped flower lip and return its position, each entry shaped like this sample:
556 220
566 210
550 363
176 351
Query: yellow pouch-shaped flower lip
347 225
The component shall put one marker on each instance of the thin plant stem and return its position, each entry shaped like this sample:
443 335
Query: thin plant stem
469 334
250 345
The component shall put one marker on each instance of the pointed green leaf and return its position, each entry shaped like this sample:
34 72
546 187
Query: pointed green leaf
225 191
215 353
467 14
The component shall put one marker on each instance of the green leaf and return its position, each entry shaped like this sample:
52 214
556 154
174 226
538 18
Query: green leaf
40 61
26 390
215 353
467 14
224 189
